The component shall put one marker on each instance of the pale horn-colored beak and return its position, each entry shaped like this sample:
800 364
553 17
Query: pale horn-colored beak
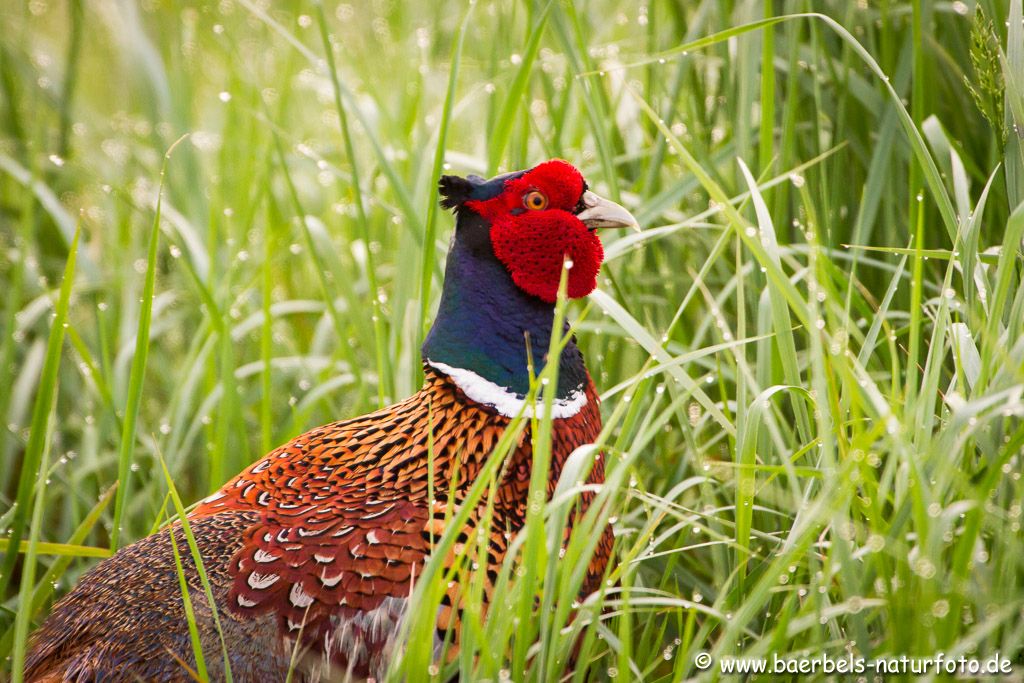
599 212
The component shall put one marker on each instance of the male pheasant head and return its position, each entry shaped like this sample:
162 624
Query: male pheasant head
533 221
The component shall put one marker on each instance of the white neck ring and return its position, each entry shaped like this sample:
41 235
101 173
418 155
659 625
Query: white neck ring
505 401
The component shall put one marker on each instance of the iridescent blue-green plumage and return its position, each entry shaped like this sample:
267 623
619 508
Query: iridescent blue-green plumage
486 324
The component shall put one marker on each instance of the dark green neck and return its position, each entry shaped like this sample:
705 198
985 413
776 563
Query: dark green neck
485 320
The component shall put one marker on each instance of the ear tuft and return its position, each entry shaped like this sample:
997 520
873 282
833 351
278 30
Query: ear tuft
454 191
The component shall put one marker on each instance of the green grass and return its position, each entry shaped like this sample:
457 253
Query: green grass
811 358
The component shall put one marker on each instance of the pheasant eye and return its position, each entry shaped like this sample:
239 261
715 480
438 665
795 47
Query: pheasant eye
535 200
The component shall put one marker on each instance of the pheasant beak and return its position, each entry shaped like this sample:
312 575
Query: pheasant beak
599 212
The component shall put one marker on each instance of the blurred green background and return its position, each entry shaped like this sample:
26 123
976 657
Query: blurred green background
845 476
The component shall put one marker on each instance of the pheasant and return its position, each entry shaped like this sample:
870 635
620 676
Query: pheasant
314 548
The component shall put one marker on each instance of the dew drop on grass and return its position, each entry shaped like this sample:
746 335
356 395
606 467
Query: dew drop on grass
224 96
56 160
924 568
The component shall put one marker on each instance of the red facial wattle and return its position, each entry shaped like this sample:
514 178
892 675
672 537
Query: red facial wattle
534 243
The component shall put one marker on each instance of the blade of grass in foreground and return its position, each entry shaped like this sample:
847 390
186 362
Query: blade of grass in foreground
46 585
190 615
14 295
138 371
197 559
34 465
419 630
59 549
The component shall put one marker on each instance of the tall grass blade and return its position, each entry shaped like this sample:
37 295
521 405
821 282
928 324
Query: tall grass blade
32 485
